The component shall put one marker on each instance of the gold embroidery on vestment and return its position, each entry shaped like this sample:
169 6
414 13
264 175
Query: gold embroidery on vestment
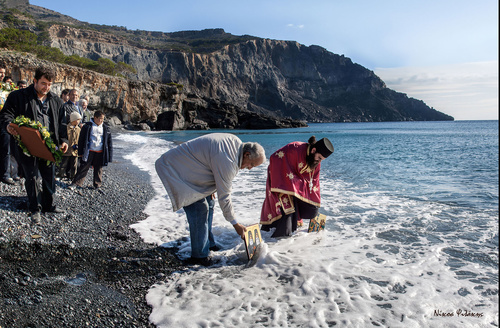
306 168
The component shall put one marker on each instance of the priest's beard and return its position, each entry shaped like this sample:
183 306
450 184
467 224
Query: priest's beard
311 162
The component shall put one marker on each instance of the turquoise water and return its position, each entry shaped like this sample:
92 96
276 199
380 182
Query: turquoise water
454 162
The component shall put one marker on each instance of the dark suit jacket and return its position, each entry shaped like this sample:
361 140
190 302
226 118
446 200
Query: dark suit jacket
69 108
23 102
84 143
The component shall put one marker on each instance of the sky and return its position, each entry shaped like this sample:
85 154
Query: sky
444 52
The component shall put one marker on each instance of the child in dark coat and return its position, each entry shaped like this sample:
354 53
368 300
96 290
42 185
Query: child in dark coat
96 148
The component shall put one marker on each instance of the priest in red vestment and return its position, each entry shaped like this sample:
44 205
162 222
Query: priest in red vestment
292 187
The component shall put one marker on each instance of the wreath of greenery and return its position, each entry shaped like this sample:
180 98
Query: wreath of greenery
24 121
5 89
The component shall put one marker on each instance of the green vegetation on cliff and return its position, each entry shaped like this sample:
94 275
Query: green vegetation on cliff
25 33
23 40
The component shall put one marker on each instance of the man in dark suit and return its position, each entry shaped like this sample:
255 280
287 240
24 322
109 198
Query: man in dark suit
72 104
38 103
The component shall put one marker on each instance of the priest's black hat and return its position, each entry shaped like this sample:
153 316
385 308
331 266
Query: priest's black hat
324 147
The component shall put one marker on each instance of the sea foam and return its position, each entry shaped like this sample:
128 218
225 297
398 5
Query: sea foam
383 260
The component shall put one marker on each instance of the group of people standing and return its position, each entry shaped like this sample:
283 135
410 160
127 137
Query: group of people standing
84 141
77 116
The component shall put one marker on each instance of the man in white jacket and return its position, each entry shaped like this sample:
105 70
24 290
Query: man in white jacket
194 171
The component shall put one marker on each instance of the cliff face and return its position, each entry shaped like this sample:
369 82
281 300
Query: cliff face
142 105
278 78
235 82
122 100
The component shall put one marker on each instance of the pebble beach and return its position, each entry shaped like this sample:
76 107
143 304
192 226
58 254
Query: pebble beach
85 267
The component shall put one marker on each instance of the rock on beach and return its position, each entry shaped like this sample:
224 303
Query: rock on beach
85 267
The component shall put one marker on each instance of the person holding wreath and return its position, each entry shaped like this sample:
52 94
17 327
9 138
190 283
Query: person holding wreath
38 103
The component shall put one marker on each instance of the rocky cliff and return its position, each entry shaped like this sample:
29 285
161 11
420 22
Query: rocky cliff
141 105
127 101
273 79
281 78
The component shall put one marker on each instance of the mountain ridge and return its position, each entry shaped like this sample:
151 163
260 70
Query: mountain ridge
271 78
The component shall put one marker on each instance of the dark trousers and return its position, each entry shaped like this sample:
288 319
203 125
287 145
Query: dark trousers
68 168
94 160
16 170
4 154
39 182
287 224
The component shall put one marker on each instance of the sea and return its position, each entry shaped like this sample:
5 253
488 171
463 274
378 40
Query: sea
411 236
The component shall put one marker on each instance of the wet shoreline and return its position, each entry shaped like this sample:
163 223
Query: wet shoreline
85 267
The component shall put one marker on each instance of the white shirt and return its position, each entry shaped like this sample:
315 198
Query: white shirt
96 137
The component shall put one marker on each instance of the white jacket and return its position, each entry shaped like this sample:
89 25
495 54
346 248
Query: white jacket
199 167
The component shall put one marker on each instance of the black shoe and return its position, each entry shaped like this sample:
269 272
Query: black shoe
215 248
23 206
35 217
205 261
9 181
53 209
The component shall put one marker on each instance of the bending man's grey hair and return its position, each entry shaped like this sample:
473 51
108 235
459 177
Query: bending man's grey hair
255 150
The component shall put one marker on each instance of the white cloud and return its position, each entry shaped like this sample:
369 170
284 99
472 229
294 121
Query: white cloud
300 26
467 91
